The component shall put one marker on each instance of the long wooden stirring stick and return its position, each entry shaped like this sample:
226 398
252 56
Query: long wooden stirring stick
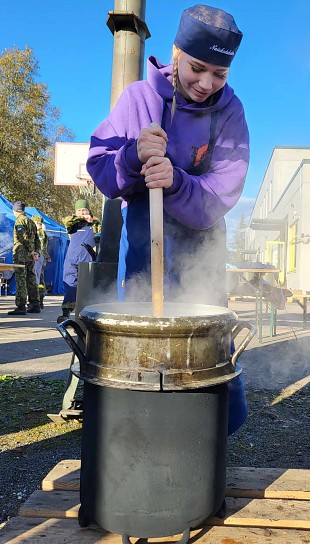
157 243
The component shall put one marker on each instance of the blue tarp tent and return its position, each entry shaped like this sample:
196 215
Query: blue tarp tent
57 244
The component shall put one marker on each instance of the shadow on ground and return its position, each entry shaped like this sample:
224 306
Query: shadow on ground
33 349
276 365
23 468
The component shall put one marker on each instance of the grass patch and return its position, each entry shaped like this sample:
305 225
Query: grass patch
24 405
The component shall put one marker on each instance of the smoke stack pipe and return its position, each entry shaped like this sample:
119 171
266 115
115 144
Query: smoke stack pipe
130 31
127 24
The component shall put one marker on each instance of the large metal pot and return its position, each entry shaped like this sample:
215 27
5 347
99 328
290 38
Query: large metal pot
126 347
153 463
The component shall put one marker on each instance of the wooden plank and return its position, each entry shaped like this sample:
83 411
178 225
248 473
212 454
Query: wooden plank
52 531
276 513
10 266
272 513
51 504
64 476
273 483
34 530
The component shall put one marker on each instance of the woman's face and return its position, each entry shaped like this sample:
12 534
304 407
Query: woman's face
197 79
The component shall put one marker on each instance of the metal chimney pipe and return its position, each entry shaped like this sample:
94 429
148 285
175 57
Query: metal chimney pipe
127 24
130 31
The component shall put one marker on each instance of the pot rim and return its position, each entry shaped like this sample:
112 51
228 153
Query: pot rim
125 314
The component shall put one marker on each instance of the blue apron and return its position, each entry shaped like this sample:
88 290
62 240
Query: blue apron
179 241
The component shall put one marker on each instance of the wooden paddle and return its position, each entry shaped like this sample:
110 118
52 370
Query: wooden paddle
157 244
156 228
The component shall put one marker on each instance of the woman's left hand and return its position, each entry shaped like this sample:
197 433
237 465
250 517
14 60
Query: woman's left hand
158 172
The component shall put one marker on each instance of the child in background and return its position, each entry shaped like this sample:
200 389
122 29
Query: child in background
197 152
81 227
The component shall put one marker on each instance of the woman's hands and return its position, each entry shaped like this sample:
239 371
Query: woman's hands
158 172
151 147
152 142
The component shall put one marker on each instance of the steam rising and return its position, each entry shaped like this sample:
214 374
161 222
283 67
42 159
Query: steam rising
193 275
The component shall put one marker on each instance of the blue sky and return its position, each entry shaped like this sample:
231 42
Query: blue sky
271 72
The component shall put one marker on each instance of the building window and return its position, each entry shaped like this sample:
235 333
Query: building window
292 237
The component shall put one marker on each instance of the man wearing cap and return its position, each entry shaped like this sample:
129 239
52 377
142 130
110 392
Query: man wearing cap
81 227
26 251
40 264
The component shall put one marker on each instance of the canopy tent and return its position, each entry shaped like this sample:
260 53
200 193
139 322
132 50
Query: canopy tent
57 244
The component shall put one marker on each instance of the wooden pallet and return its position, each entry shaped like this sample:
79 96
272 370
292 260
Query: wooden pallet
263 506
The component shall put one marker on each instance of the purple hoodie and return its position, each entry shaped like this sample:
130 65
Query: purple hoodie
196 201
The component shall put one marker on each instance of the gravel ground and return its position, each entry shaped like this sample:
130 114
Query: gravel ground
30 445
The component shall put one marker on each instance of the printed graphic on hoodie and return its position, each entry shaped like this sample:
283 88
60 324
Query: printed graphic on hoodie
199 154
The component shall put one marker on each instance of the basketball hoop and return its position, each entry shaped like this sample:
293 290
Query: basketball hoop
70 164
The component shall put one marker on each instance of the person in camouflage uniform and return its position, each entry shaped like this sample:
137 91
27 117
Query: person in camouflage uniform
26 251
40 265
81 227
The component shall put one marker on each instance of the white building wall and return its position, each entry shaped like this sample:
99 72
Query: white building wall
285 195
304 233
283 164
286 162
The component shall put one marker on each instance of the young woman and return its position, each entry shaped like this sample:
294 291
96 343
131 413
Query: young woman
183 129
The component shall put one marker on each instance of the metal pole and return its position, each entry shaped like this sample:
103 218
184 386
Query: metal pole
129 29
127 24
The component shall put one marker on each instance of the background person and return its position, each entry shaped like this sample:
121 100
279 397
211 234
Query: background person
197 152
40 264
6 245
6 238
26 251
81 227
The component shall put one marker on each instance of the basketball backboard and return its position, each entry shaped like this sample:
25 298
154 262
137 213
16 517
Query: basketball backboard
70 164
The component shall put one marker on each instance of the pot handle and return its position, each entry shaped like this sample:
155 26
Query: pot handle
62 328
252 330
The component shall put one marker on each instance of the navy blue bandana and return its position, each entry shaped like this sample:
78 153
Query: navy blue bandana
208 34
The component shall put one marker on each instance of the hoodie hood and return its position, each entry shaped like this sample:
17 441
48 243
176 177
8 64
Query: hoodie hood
159 76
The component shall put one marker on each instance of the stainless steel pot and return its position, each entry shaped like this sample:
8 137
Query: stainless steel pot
128 348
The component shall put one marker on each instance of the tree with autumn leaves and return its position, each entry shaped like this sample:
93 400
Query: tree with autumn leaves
28 131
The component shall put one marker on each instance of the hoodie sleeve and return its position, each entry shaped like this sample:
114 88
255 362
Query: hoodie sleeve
113 162
199 202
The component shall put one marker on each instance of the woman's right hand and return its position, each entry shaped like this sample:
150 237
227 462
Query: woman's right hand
152 142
